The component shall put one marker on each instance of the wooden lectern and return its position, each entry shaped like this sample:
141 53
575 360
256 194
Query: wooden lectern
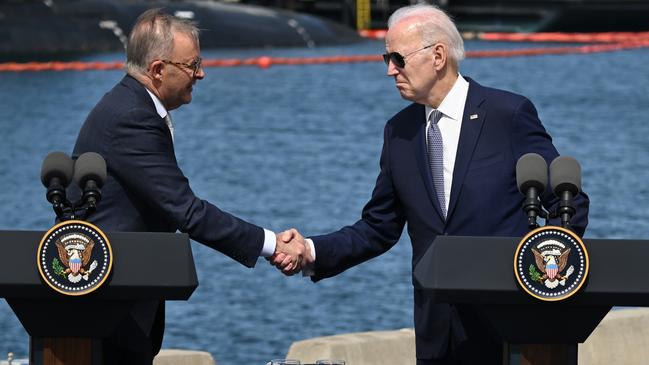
147 267
478 271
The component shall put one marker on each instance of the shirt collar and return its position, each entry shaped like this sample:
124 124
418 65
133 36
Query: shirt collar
453 104
162 111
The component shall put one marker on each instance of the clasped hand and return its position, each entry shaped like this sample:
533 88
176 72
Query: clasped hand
292 253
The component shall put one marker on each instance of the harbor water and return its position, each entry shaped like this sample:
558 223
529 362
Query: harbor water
298 146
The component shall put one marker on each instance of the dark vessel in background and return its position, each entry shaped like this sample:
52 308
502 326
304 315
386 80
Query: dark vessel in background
584 16
495 16
39 30
59 29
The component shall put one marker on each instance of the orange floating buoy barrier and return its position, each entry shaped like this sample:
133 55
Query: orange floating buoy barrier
373 33
596 42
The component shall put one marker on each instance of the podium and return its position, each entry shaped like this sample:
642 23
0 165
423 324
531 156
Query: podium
479 271
147 267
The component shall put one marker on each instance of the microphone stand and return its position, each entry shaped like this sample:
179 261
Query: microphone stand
533 208
79 210
566 210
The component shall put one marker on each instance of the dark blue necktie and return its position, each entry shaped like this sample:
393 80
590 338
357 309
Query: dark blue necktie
436 158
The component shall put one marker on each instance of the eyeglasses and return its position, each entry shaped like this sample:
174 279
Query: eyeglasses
194 65
398 59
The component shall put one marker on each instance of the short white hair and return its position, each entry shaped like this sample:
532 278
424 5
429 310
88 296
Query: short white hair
435 25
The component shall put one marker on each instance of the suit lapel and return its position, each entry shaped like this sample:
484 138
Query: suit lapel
472 122
422 159
146 99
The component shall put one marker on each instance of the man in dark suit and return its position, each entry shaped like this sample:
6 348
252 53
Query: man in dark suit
145 189
447 168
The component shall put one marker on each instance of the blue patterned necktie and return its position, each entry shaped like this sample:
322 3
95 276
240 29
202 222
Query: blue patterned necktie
436 158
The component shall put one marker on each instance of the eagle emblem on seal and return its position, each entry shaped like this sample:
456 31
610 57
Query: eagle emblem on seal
74 251
551 258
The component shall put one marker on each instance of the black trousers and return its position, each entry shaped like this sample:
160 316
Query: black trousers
135 344
470 352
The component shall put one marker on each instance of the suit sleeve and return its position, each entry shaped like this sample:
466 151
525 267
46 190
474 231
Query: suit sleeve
529 135
379 228
143 160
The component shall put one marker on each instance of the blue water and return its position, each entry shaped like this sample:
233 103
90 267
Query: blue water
299 146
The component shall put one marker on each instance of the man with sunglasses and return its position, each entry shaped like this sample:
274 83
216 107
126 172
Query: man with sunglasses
448 167
145 189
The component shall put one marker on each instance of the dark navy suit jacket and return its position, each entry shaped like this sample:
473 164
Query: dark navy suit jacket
145 189
485 200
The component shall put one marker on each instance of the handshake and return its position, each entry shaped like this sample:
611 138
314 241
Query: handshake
292 253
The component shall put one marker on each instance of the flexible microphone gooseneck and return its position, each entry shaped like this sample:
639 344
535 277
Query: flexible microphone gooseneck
531 178
56 174
90 175
565 179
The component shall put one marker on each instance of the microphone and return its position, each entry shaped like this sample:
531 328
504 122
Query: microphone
531 178
90 175
56 175
565 179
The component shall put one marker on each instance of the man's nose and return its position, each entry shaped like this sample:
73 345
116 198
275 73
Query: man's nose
200 73
392 69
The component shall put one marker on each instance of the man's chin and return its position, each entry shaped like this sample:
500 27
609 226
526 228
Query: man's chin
403 89
405 94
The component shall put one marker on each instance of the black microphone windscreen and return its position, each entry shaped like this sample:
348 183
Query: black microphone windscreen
531 171
90 166
565 175
59 165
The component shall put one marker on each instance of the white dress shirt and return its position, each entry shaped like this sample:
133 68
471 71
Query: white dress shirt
269 236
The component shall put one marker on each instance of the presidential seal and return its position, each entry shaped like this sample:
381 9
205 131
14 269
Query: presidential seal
74 258
551 263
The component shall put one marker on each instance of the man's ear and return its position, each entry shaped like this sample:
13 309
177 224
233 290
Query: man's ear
440 52
156 69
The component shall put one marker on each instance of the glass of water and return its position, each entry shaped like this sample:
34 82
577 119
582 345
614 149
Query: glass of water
284 362
330 362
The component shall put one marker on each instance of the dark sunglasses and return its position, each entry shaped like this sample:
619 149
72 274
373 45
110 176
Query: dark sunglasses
398 59
194 65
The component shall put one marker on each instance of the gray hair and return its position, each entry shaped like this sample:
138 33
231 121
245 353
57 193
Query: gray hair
152 38
436 26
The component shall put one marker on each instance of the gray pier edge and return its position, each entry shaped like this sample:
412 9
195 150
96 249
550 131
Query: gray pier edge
621 338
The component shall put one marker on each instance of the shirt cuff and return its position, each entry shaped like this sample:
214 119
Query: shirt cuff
311 247
309 270
269 244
